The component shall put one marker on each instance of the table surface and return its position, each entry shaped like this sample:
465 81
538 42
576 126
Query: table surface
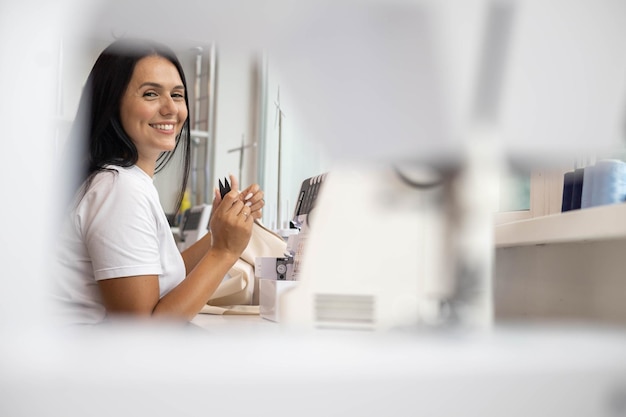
231 322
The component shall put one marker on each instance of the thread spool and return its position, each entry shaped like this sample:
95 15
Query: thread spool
609 182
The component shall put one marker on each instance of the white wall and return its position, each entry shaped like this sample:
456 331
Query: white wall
303 154
235 115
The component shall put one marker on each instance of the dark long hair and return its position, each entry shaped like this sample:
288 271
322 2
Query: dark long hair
97 136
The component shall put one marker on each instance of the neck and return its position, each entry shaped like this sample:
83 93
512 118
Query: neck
147 166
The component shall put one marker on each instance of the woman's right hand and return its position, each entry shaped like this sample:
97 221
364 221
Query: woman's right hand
231 222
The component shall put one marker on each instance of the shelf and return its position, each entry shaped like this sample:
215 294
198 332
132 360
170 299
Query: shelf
596 223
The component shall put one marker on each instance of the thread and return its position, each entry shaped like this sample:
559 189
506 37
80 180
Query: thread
608 182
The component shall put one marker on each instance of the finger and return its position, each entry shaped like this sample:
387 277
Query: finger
249 192
246 215
257 205
217 198
256 201
257 208
234 206
256 214
234 184
233 195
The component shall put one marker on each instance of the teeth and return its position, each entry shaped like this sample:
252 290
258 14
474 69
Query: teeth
164 127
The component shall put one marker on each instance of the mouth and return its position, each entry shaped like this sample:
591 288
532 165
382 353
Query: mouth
166 127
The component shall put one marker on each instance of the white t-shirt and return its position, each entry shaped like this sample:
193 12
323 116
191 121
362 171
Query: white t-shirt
118 229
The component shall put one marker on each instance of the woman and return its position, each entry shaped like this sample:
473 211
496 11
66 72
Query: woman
117 256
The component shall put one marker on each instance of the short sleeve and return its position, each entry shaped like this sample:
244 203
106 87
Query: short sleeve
119 227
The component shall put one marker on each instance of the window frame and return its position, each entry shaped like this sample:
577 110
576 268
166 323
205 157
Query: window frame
546 195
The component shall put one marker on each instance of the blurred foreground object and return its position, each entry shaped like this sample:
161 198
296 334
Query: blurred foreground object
462 88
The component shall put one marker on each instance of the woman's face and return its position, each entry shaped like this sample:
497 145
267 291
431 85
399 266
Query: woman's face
153 108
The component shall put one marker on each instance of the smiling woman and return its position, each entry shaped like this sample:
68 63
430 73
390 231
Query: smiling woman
153 113
116 255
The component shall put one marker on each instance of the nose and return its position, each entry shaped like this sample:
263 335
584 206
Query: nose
168 106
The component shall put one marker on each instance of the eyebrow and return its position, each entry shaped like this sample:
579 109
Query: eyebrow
157 85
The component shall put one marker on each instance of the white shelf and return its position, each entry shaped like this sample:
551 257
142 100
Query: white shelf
596 223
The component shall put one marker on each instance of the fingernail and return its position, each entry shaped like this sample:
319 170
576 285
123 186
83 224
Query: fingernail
248 204
249 196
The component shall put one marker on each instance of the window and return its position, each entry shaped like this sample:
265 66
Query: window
525 195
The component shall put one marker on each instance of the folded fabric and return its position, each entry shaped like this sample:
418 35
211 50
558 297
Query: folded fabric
240 286
263 242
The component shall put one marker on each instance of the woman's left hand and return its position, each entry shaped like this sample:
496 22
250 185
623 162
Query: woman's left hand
253 198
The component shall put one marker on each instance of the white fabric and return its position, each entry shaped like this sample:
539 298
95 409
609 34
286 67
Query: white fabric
118 229
240 287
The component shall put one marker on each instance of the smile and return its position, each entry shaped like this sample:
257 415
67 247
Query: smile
163 126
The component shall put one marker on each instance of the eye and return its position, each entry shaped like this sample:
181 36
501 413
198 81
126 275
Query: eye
178 96
150 94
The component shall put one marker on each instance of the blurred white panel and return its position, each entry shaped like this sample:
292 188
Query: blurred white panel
367 78
565 91
412 80
406 78
29 45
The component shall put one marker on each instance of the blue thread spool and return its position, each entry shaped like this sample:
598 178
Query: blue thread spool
609 182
